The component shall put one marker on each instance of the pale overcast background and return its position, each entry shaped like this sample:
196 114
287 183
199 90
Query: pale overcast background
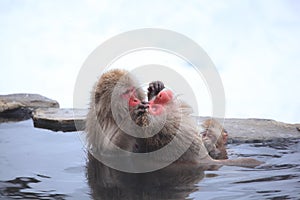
254 44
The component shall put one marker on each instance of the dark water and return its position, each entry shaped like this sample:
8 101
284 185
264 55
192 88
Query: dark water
41 164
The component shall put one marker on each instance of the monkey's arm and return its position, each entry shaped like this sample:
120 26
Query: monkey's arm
154 88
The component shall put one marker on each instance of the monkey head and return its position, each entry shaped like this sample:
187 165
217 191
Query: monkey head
214 138
215 132
116 90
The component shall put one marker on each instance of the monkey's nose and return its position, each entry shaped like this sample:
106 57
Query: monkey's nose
143 105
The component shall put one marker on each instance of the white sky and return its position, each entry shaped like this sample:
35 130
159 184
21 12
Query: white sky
254 44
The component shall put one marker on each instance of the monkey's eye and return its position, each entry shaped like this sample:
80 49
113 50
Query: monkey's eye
127 91
205 133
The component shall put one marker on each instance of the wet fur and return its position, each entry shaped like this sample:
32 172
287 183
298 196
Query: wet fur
103 132
101 128
214 138
179 122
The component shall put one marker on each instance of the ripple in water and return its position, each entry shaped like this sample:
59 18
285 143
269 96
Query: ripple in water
41 164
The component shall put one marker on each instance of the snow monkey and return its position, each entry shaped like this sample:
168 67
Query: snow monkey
214 138
163 109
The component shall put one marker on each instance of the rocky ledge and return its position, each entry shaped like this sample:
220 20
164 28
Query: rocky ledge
239 130
257 130
45 113
16 107
59 119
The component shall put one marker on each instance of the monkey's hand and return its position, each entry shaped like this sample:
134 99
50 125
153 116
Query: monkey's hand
154 88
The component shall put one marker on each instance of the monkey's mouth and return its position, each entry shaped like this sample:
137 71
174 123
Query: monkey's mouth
142 113
142 119
139 114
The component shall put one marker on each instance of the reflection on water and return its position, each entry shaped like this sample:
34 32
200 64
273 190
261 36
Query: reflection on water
41 164
268 179
168 183
279 178
15 189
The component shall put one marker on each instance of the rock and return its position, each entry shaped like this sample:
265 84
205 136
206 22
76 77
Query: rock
257 130
239 130
59 119
16 107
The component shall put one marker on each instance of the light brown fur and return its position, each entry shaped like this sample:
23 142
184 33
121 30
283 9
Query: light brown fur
172 182
179 126
214 138
101 127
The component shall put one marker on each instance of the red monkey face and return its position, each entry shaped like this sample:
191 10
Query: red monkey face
130 96
163 97
133 101
156 106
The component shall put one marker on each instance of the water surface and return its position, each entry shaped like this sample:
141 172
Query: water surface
42 164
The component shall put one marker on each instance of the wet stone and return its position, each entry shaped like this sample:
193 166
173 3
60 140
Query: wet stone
60 119
239 130
257 130
17 107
